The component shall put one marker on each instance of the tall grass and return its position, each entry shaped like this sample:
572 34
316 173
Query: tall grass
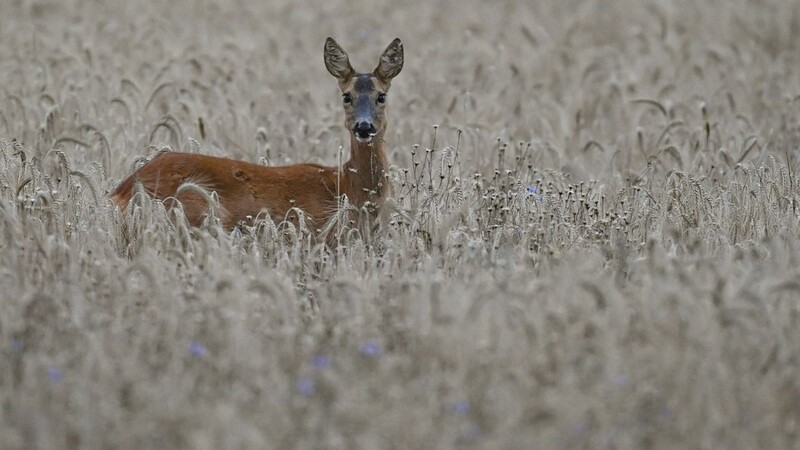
592 240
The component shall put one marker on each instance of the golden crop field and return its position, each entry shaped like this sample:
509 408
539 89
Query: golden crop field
592 240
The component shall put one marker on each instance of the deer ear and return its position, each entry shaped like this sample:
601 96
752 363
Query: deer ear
391 62
336 60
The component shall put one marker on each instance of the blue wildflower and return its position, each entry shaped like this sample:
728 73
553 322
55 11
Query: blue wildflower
622 379
461 408
17 345
535 190
197 349
370 348
321 361
306 386
54 374
580 428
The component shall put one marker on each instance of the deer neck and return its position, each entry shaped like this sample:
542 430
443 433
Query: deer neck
365 172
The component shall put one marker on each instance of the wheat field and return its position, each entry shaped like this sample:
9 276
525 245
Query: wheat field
591 242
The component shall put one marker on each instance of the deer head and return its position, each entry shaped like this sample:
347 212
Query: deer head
364 94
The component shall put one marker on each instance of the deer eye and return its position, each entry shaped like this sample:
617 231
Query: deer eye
381 98
347 98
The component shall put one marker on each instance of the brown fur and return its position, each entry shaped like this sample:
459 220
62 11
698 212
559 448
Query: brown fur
246 190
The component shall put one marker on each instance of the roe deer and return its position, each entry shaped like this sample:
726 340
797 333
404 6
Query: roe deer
245 189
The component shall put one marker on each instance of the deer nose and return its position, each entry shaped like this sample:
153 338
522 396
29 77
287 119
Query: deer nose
364 129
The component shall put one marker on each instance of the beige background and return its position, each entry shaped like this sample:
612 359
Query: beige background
647 299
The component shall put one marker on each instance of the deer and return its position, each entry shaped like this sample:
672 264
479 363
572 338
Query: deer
246 191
